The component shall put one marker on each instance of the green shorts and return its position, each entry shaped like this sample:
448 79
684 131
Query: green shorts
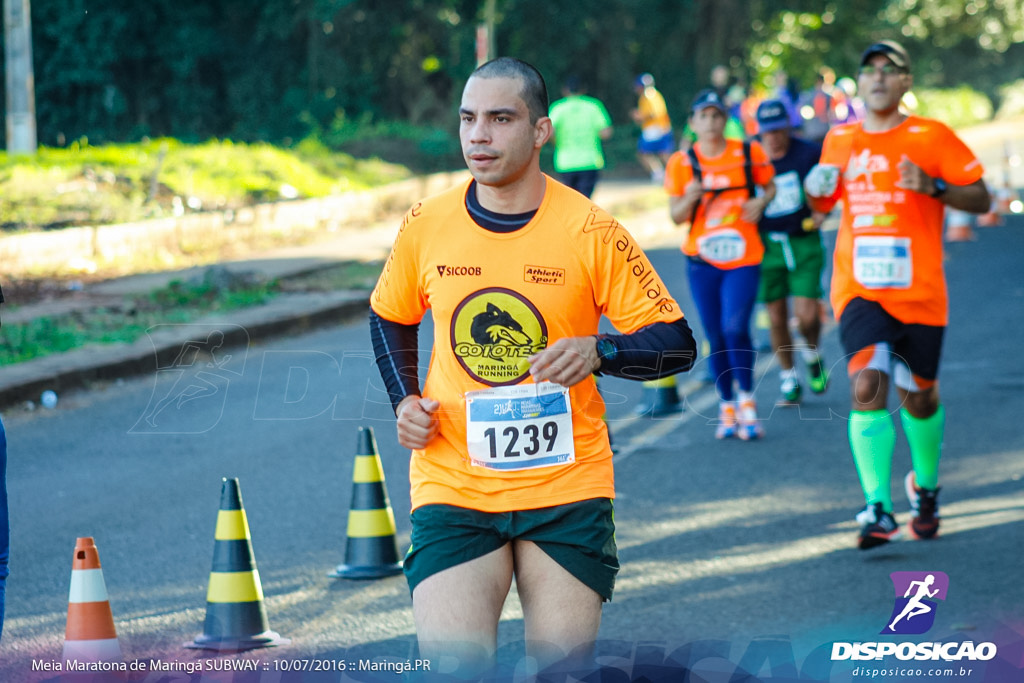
578 536
791 267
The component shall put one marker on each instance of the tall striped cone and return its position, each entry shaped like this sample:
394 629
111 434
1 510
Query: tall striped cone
660 397
762 336
707 376
370 549
90 635
236 618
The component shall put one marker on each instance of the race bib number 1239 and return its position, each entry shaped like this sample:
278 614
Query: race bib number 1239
521 427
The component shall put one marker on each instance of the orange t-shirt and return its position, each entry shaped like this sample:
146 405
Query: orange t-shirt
496 299
889 245
718 234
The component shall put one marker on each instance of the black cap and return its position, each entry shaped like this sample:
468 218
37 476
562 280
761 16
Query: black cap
772 115
708 98
890 49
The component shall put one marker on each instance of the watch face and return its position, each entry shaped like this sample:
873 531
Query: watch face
940 187
606 349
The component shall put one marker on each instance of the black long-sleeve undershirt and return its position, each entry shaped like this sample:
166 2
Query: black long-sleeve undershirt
396 350
652 352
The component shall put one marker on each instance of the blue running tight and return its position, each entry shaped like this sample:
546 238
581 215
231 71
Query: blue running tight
5 536
725 302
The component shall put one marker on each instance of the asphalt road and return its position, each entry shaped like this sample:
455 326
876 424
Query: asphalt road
736 556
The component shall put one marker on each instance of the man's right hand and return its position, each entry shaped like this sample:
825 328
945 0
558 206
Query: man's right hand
822 181
417 421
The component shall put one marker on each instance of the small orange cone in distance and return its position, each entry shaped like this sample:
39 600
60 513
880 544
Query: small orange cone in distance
236 618
90 635
370 549
958 226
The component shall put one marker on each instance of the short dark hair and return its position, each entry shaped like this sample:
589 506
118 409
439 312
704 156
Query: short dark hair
534 91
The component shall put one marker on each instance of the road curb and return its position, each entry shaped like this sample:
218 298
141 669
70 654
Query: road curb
76 369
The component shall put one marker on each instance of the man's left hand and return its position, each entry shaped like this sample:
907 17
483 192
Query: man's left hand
913 178
568 361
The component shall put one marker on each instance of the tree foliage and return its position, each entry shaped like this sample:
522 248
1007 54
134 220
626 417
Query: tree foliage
279 70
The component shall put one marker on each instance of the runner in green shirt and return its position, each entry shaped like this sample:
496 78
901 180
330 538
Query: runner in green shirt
580 124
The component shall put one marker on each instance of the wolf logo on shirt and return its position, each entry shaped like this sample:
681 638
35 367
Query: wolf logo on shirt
493 332
495 326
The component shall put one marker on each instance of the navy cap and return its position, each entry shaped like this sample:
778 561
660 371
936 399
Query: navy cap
644 80
709 98
772 115
889 49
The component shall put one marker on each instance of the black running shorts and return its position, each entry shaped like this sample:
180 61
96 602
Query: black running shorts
865 323
578 536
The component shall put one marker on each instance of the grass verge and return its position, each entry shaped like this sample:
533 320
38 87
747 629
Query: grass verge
179 302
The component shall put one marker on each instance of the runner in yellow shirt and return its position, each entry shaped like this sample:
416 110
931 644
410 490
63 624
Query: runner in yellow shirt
511 470
896 173
657 142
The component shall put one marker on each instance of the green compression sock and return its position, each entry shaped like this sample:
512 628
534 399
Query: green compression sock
872 440
925 439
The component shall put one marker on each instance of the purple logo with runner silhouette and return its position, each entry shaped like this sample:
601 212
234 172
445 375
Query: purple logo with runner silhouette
916 593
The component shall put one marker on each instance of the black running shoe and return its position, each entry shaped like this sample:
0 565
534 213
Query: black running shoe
924 508
819 376
877 527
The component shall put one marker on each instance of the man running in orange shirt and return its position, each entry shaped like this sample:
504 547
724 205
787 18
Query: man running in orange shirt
896 173
511 470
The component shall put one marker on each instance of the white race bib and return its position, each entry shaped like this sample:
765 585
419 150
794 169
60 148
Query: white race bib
520 427
882 262
722 246
789 196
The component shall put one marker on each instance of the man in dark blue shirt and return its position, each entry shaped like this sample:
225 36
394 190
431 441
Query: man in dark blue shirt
793 257
5 535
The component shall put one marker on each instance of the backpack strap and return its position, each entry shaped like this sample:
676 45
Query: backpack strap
748 168
694 162
695 165
748 175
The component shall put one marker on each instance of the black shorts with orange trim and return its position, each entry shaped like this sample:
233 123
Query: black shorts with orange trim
578 536
865 323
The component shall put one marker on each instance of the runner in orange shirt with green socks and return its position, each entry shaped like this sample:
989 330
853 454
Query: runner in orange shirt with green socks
895 173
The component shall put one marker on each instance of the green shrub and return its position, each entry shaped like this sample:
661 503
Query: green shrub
82 184
957 107
1011 100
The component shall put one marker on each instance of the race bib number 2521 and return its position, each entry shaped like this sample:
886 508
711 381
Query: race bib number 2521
883 262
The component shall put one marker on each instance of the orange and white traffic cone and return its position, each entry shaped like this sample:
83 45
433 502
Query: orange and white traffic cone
958 226
994 216
1007 201
90 635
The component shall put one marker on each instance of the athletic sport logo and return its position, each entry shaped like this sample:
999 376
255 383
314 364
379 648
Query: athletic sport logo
916 595
493 332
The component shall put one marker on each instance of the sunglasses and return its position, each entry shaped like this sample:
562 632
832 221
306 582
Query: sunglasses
885 70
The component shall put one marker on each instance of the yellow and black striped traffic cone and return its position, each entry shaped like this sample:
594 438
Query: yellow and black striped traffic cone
660 397
370 549
762 334
236 618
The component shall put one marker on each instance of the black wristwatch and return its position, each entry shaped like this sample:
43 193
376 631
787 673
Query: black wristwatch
940 187
606 349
